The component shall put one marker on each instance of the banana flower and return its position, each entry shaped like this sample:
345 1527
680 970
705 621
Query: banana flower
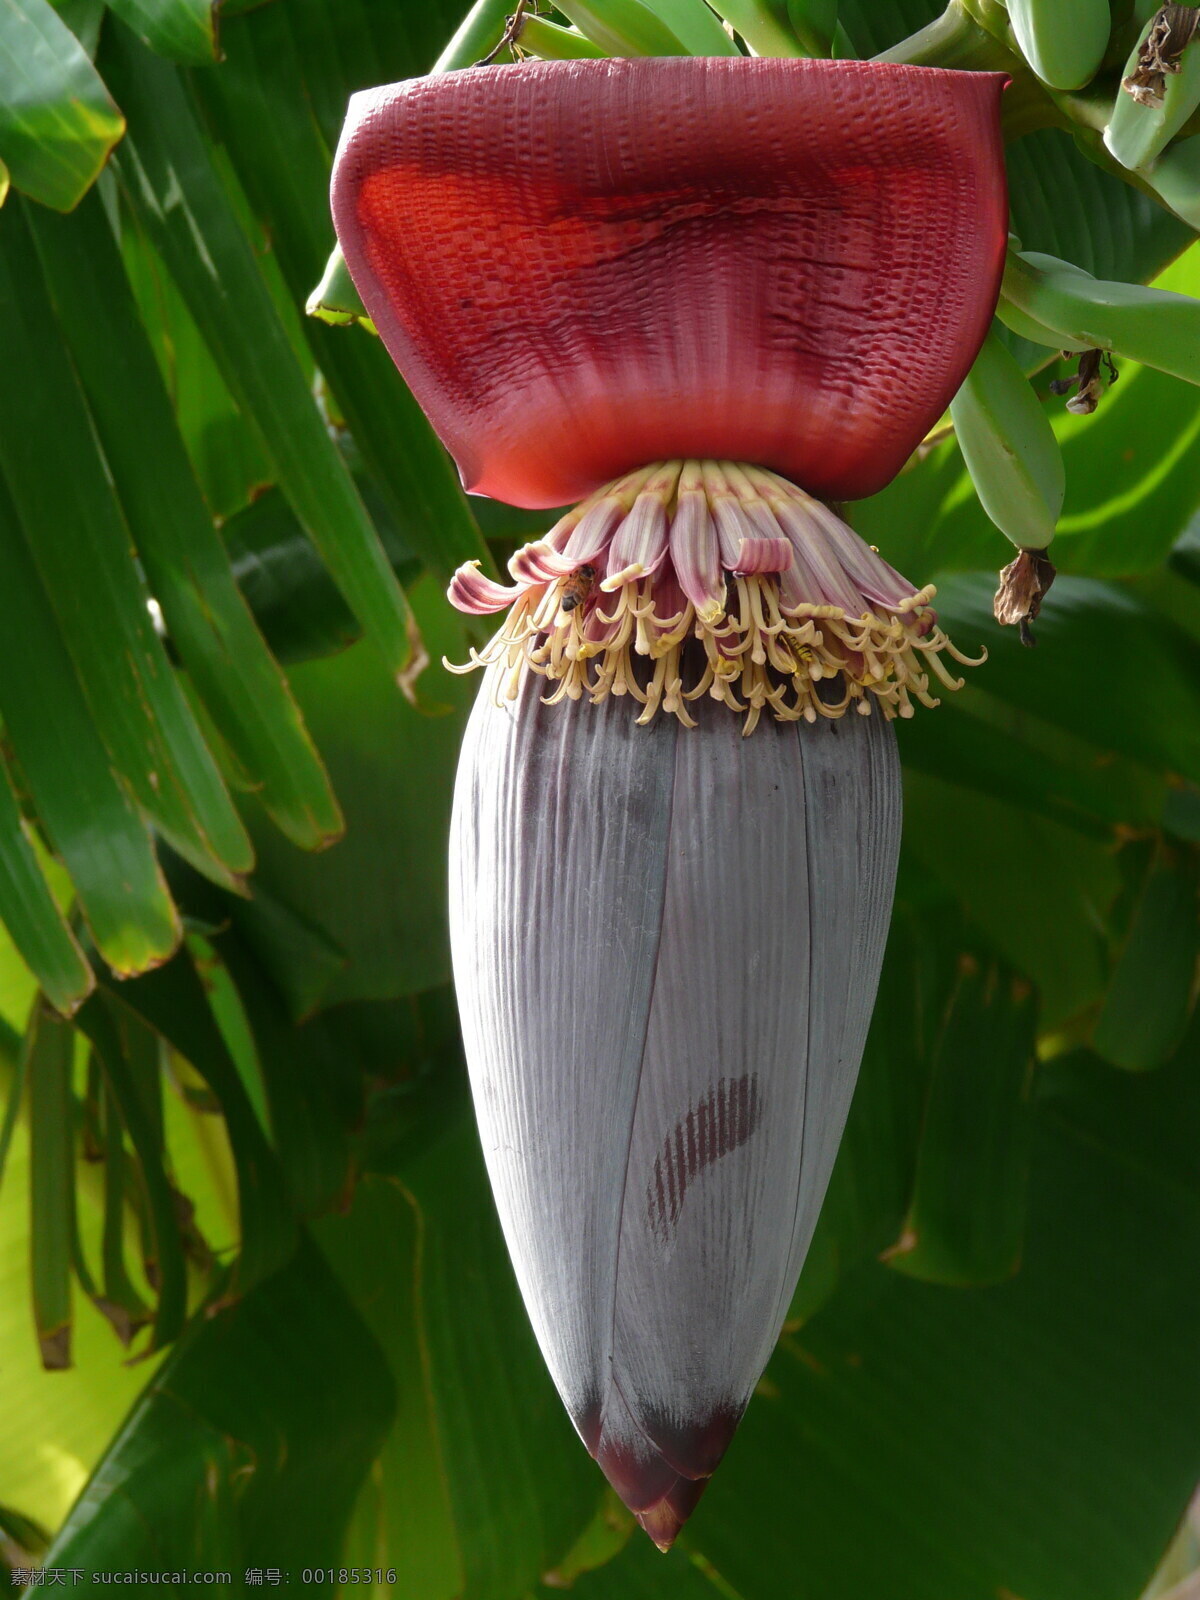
702 298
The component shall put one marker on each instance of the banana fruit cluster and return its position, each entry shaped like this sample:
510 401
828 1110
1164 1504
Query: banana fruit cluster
1007 442
1160 88
1064 41
1075 311
1005 435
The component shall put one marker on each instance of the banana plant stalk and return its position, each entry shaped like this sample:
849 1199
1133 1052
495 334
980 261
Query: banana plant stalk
704 298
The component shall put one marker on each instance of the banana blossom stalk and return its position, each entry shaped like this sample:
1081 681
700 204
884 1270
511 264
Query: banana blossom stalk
703 298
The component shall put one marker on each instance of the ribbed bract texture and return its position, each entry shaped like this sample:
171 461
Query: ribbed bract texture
583 266
666 947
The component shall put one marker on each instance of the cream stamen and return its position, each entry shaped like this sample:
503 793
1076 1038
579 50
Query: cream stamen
669 538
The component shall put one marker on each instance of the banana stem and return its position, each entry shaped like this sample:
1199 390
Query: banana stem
549 42
622 27
815 24
952 40
480 31
335 299
960 39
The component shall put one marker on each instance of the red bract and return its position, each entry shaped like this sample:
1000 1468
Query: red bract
583 267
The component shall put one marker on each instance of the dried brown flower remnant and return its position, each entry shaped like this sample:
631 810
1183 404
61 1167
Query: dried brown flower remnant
1095 367
1024 584
1170 34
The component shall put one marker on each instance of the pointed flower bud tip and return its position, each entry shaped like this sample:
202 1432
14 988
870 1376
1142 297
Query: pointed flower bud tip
665 1519
690 579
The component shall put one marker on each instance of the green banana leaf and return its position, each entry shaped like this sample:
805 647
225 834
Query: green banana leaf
181 30
77 537
58 122
217 1468
34 920
966 1220
285 167
382 909
186 564
1149 1000
122 894
461 1501
166 156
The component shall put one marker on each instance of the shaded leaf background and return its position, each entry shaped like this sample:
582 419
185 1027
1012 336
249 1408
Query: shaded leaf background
266 1174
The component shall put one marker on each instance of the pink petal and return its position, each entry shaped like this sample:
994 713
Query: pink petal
471 591
642 537
764 555
537 563
822 579
733 526
694 552
594 530
879 582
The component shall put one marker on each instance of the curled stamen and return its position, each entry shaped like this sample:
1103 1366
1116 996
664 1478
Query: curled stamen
723 580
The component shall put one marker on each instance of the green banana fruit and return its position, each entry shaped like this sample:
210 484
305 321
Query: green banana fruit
548 42
1160 88
622 27
764 24
1063 40
1152 326
335 299
820 31
814 23
1009 448
1175 178
1019 322
695 26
